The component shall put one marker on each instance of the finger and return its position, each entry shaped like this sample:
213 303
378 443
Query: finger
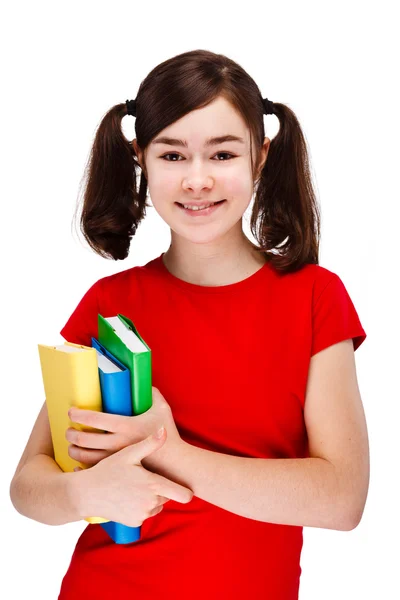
158 399
98 419
91 439
88 457
172 490
155 511
168 489
164 500
135 453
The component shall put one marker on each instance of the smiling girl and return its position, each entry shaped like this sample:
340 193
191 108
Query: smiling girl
252 355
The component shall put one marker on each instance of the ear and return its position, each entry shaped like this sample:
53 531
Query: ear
138 153
263 156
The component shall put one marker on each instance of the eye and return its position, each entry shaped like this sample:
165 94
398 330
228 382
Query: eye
218 154
225 154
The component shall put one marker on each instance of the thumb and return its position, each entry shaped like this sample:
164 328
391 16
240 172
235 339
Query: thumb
137 452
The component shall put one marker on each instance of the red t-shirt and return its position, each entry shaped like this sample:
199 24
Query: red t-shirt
232 362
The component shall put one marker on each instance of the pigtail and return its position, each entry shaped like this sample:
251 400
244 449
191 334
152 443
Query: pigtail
285 214
112 206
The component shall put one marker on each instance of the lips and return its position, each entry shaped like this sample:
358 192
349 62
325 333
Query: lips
204 212
200 203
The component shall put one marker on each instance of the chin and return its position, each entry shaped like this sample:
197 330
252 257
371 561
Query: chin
203 235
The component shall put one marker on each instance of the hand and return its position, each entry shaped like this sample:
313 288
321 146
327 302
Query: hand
118 488
89 447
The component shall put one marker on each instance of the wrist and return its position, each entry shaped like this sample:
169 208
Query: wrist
167 460
165 456
77 490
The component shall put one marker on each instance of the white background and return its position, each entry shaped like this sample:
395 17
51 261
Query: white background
63 66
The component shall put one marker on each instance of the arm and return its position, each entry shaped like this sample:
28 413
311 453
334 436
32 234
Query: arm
327 490
302 491
44 493
39 489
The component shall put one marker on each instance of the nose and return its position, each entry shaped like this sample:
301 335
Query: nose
197 182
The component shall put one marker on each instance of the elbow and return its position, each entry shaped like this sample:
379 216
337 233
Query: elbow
14 495
13 491
352 518
352 504
20 501
349 524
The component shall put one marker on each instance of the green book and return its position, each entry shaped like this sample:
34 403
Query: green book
121 338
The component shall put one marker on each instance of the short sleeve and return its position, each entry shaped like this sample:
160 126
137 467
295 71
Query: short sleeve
82 324
335 318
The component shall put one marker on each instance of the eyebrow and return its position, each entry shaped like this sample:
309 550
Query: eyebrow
213 141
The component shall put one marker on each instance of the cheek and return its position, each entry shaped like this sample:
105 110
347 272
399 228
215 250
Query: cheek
162 185
163 192
239 190
236 184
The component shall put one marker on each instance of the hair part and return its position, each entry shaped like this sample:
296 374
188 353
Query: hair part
285 218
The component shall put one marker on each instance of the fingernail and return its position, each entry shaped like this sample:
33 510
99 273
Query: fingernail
159 433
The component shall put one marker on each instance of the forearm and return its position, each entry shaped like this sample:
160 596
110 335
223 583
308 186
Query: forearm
43 492
304 492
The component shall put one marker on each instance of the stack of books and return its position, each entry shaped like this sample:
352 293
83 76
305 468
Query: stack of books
113 376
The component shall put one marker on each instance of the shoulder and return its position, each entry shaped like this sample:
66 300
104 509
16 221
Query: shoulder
319 278
309 280
107 295
126 278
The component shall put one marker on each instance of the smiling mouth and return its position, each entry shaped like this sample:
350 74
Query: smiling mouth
207 206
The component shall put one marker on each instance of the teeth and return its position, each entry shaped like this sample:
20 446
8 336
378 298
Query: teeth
198 207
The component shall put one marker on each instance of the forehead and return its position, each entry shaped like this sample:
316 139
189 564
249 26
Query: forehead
216 123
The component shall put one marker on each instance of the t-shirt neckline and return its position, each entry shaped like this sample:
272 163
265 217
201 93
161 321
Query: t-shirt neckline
238 286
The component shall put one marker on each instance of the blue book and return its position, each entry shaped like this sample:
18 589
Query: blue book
116 399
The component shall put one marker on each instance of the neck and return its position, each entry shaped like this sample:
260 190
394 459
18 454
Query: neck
210 265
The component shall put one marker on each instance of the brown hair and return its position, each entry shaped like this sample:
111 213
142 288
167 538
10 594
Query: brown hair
285 213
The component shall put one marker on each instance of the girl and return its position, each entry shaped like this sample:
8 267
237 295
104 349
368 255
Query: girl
252 355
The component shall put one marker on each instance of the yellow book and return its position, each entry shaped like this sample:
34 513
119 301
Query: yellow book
71 378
